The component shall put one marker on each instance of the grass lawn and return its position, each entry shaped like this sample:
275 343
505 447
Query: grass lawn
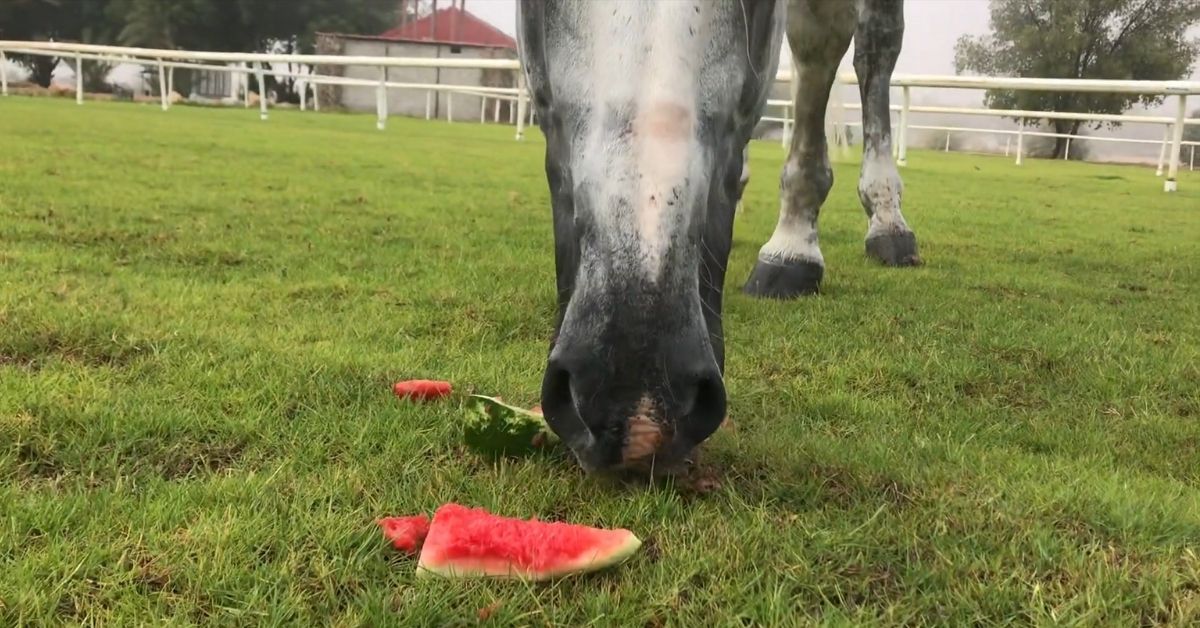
201 315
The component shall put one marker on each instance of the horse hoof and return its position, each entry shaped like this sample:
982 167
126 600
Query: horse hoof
894 249
784 280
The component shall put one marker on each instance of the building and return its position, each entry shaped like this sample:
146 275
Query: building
450 32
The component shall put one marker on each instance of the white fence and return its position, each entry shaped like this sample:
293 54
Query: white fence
247 63
1020 133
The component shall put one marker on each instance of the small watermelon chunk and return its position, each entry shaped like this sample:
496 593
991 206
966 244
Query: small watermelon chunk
422 389
405 533
472 542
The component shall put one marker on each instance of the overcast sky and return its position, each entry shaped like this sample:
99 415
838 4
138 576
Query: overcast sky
931 28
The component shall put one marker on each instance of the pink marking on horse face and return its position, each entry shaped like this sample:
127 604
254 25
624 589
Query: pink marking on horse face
664 138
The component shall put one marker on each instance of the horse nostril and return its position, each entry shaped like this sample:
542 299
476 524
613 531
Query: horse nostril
558 406
710 394
703 407
556 391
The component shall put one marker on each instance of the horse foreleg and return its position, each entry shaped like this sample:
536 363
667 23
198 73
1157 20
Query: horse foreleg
877 43
790 263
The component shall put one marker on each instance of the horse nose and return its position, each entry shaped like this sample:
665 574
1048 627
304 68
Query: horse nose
617 408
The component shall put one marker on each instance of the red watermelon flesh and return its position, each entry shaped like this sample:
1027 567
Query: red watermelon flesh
405 533
467 542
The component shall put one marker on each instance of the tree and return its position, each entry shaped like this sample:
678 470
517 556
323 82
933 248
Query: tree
1091 39
223 25
30 19
54 20
246 26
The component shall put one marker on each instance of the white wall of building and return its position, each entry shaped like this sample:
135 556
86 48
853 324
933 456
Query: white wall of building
407 102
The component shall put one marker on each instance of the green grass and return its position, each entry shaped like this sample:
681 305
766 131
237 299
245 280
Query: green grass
201 314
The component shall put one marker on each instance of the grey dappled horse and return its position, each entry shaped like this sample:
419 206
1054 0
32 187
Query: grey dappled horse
647 109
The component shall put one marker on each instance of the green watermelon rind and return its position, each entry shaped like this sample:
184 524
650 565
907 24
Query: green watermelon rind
499 429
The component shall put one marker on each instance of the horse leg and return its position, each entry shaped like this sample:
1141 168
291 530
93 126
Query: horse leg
790 263
876 46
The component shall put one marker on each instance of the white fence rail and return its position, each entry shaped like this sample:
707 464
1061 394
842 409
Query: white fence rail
1022 115
256 63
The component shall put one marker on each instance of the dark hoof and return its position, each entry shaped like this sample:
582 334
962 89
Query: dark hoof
894 249
784 280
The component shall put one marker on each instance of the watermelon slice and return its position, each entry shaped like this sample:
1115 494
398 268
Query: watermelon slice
405 533
471 542
499 429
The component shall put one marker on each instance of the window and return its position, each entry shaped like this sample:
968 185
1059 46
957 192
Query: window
454 50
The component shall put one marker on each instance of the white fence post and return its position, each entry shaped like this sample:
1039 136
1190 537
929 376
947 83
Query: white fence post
429 104
303 95
1192 161
1170 185
78 79
162 84
482 109
261 75
1007 144
246 85
947 142
1067 152
170 81
496 111
905 103
317 97
521 104
1162 150
381 104
449 106
1020 139
3 74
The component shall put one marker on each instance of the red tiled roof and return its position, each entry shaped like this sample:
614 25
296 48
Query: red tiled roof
454 26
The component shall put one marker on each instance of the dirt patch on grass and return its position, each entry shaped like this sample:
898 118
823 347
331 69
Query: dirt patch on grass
36 461
1006 393
29 345
321 292
846 487
189 460
148 573
651 550
207 258
44 460
865 585
800 487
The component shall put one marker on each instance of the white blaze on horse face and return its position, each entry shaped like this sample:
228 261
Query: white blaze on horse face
644 59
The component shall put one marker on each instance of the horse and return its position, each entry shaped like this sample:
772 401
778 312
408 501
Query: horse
647 109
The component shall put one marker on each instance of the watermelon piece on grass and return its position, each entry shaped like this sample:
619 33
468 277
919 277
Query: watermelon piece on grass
500 429
405 533
472 542
422 389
